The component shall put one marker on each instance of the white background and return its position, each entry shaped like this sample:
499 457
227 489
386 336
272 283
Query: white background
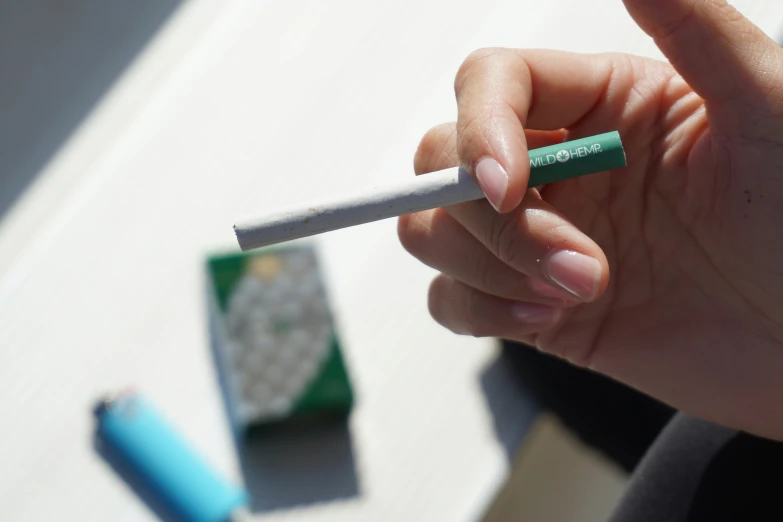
234 106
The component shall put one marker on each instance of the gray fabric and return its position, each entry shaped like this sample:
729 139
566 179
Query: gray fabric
664 484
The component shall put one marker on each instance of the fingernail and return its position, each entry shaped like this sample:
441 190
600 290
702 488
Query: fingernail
493 181
546 290
530 313
577 273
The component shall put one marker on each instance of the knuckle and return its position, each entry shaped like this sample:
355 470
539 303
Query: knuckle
435 300
424 152
472 128
455 310
727 13
433 151
474 60
473 136
411 234
478 130
665 29
483 271
471 316
505 240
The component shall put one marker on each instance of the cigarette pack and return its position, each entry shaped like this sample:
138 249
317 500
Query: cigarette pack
277 351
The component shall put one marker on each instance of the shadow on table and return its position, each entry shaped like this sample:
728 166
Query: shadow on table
297 468
280 470
291 466
57 60
513 409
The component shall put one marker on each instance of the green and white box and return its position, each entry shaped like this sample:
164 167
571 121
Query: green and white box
278 354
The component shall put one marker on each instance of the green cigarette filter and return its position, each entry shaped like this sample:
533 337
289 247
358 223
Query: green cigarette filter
576 158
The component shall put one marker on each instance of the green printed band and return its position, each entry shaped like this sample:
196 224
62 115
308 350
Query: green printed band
576 158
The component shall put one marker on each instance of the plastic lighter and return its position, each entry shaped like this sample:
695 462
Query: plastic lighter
131 429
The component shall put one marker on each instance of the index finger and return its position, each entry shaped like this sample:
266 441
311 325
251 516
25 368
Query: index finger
502 91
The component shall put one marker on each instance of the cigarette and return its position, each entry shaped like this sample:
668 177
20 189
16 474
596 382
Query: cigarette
447 187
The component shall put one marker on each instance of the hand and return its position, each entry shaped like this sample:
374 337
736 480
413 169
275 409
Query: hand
691 231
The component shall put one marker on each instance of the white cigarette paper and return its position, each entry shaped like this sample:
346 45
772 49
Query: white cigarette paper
437 189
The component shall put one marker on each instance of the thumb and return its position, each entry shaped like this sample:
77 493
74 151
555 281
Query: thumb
719 52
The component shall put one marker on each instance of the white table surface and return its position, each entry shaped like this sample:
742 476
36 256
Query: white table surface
234 106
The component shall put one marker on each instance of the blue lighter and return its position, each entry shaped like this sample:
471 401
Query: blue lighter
132 432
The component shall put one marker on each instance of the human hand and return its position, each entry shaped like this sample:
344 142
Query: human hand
691 231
